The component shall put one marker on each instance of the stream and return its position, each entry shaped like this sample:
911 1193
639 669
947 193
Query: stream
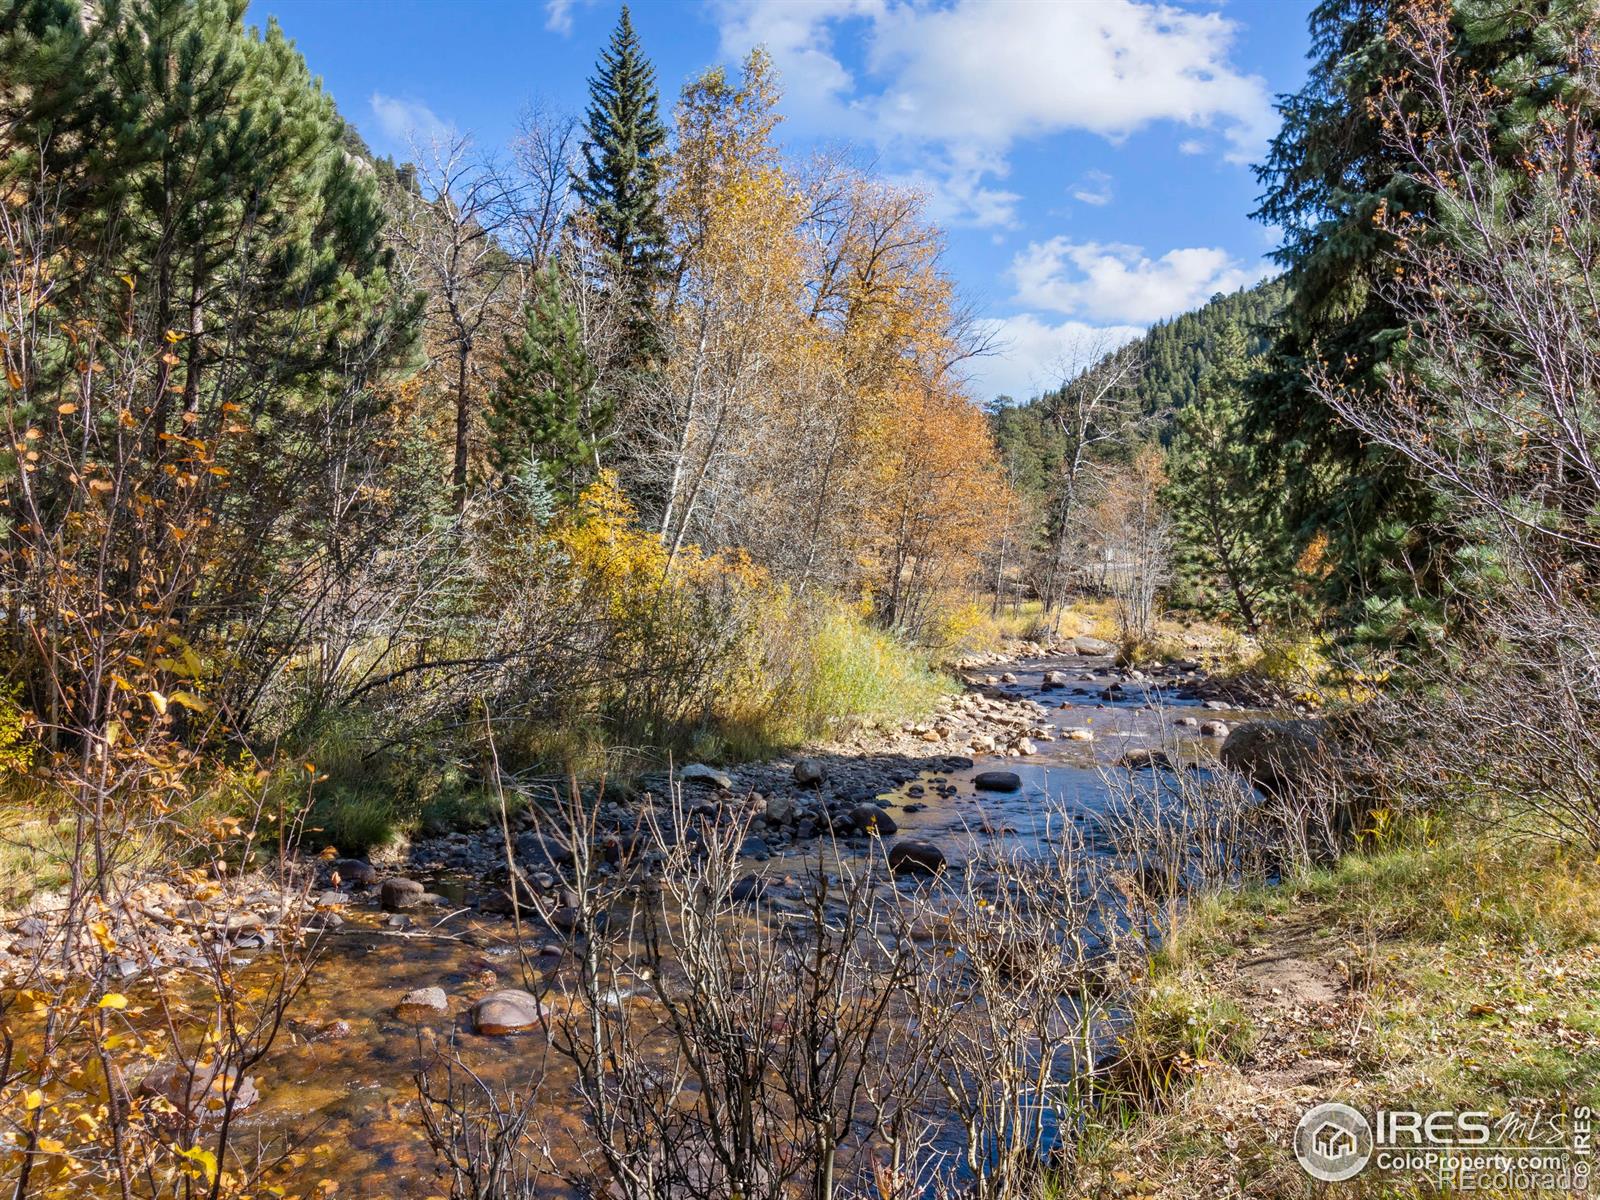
340 1079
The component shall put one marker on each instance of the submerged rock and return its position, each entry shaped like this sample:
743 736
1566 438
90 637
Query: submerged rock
200 1090
1141 759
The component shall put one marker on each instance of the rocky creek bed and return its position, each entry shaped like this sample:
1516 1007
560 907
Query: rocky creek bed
422 947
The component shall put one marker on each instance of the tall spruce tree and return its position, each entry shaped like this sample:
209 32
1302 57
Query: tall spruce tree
1328 179
1332 183
545 410
620 183
1231 553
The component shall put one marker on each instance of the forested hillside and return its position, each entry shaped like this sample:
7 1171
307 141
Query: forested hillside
1176 354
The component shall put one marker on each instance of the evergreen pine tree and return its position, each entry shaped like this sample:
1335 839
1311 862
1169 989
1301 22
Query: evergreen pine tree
199 198
545 409
620 183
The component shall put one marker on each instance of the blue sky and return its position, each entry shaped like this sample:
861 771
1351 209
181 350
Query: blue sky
1090 159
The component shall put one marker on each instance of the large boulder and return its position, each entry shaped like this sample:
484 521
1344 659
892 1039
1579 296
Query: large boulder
1084 644
997 781
509 1010
911 857
1275 753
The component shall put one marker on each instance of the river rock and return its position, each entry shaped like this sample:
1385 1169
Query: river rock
1080 735
1008 677
997 781
984 743
704 776
509 1010
1214 729
809 772
422 1004
756 848
748 889
397 895
1026 746
1056 679
1143 759
539 851
911 857
1188 722
354 872
1274 753
1084 644
780 809
869 817
200 1090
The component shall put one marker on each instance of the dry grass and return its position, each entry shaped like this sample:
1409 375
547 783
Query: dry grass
1451 971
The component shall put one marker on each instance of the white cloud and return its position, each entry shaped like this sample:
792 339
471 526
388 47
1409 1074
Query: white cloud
1191 146
956 192
406 122
1107 281
974 77
558 16
1094 188
1033 355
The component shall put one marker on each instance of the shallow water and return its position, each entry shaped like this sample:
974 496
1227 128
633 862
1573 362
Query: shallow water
354 1097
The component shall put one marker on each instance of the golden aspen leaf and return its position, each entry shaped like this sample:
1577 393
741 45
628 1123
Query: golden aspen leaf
114 1000
66 410
33 1100
206 1160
